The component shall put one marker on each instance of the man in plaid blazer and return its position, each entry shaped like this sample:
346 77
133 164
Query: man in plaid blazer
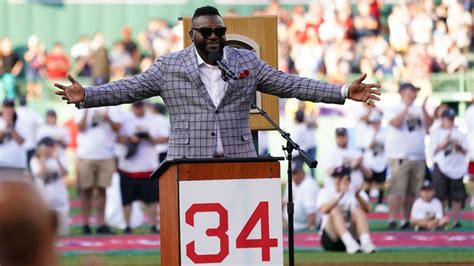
210 117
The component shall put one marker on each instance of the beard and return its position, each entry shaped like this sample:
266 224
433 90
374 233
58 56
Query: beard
204 49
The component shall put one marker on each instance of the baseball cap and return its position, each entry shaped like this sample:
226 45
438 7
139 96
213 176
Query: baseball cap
9 102
138 104
297 164
47 141
408 85
341 171
51 112
427 184
341 131
299 116
448 113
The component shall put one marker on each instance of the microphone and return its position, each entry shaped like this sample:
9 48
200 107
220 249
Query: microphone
215 58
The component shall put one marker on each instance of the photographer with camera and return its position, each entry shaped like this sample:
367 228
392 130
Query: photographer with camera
138 136
344 155
449 149
96 141
12 152
48 169
344 215
405 150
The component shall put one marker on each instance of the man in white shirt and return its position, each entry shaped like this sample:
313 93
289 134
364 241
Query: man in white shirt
48 169
343 155
427 211
449 150
159 113
344 215
374 156
28 123
96 163
304 134
12 153
405 149
139 134
305 193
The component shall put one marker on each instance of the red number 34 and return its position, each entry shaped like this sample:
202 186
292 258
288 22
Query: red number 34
260 213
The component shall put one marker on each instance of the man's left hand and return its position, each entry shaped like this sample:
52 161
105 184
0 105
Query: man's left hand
361 92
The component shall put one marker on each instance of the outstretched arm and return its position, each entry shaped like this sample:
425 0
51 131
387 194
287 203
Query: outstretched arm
284 85
138 87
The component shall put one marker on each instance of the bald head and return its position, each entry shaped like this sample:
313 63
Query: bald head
27 226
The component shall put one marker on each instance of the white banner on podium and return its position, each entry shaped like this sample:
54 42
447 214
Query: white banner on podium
231 222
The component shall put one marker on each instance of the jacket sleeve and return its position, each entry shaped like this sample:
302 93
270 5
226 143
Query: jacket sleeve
277 83
135 88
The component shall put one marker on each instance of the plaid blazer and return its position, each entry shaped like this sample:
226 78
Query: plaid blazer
193 116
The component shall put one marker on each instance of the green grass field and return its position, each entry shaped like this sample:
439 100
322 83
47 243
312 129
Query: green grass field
458 257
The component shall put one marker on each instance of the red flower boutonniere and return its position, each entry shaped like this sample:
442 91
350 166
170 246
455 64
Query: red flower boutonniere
243 74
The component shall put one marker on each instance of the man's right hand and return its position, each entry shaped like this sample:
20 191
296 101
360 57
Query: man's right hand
73 93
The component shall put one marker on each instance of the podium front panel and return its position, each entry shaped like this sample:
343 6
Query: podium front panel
230 222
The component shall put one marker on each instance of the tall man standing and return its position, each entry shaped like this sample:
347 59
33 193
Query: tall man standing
210 117
98 129
405 149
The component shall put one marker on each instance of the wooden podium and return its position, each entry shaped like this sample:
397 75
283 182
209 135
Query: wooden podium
197 193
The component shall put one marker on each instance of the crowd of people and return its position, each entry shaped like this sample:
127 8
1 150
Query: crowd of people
386 152
329 40
109 140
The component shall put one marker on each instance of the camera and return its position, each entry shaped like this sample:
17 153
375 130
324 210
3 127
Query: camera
143 135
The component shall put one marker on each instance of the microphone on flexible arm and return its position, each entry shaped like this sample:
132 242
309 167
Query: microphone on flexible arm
227 73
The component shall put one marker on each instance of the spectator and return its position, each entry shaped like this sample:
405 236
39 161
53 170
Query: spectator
27 226
305 193
305 134
139 134
57 62
364 23
455 61
96 164
12 153
405 149
437 117
374 158
131 49
427 211
81 54
345 156
35 59
361 114
48 170
344 211
99 60
10 68
28 124
159 113
398 22
449 150
58 133
421 26
121 63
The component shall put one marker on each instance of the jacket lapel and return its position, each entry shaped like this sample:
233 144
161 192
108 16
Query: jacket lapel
191 66
231 61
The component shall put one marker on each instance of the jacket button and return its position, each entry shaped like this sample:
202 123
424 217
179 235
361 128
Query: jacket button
213 134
